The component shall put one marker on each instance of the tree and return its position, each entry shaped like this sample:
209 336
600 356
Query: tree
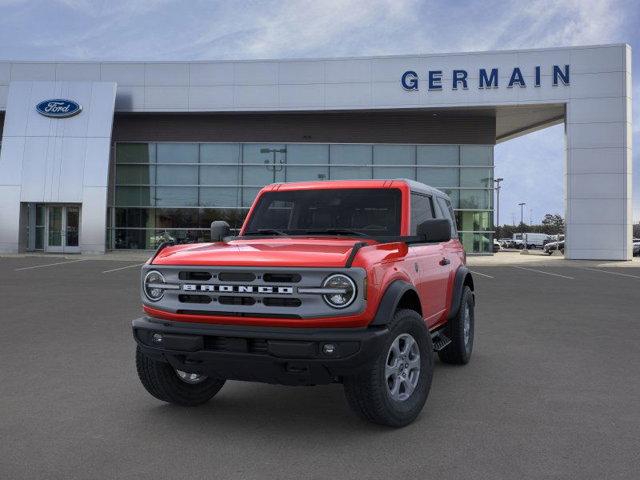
553 220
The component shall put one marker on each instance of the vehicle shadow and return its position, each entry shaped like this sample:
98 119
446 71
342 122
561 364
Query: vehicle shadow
243 407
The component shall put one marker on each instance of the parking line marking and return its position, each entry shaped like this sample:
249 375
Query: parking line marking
481 274
122 268
610 273
49 265
545 273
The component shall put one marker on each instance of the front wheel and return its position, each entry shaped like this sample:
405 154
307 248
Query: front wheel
175 386
394 387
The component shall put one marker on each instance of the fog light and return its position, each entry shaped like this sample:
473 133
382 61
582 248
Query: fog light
156 338
329 348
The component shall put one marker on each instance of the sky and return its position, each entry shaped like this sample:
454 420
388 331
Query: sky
532 165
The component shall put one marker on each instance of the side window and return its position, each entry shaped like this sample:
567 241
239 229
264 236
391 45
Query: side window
421 210
445 207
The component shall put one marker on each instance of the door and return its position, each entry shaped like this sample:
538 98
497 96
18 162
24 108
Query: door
55 230
72 229
62 229
431 272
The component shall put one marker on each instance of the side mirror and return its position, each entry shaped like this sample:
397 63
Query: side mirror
219 230
435 230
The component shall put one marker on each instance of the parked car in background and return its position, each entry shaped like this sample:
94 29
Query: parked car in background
636 247
496 246
551 247
506 242
532 240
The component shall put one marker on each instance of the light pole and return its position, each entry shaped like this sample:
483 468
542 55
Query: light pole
497 182
524 240
522 212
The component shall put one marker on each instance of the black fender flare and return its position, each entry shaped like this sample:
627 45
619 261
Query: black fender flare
390 300
462 274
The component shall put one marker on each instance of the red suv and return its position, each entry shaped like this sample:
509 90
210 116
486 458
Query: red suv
352 282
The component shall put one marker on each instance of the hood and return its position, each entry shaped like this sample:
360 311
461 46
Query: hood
272 252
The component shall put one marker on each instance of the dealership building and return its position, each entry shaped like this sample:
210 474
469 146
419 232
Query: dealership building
99 156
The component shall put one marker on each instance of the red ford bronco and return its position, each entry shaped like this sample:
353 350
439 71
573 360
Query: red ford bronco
354 282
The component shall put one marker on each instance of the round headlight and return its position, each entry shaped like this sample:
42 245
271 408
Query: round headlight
344 291
151 289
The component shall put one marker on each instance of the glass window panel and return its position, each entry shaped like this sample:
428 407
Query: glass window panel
352 156
421 210
438 155
135 196
454 195
477 242
248 196
476 177
476 199
39 238
394 155
135 217
135 174
176 218
40 217
219 175
307 162
181 236
447 210
439 177
135 152
218 197
220 153
474 221
133 239
476 155
262 171
177 152
177 196
177 175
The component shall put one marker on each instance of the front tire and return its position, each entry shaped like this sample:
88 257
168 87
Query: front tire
174 386
460 330
394 387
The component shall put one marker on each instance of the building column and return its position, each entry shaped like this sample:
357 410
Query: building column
598 204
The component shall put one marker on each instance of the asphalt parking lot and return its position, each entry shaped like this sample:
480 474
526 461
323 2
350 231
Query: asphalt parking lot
552 391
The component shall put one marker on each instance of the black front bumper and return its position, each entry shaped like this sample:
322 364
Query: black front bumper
288 356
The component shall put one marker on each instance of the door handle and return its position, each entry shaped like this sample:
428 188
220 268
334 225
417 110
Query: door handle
445 261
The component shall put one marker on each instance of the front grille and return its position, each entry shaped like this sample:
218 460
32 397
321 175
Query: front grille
234 291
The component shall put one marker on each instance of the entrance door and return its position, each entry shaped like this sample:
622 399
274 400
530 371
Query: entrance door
54 230
63 227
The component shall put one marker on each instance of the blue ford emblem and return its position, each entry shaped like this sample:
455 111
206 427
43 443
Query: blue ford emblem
58 108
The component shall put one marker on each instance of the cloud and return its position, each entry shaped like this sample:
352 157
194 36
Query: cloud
251 29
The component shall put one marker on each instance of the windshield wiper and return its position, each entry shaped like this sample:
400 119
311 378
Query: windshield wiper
337 231
267 231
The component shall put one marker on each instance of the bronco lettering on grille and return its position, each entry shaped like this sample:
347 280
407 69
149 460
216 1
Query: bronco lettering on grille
257 289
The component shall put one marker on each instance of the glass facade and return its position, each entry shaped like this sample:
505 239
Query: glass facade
166 191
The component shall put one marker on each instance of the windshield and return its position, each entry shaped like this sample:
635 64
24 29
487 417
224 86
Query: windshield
353 212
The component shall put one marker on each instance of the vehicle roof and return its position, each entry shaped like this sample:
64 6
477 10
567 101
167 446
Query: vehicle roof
326 184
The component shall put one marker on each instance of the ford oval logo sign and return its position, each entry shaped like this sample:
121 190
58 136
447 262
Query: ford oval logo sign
58 108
